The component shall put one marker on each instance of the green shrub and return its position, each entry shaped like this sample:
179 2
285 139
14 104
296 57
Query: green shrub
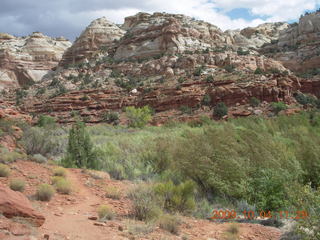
203 209
111 118
80 152
254 102
9 157
169 223
112 192
229 68
267 191
220 110
145 204
45 121
305 99
63 186
185 109
176 198
206 100
4 170
277 107
209 79
17 185
39 158
105 212
198 71
45 192
138 117
60 171
258 71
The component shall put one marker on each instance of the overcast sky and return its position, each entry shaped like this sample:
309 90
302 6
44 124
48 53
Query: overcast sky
69 17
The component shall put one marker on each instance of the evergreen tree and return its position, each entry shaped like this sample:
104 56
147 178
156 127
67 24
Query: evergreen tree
80 152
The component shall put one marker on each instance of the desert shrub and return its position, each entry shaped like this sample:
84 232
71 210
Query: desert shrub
45 121
39 158
176 198
140 229
243 205
258 71
80 152
229 68
4 170
138 117
169 223
145 203
209 79
206 100
185 109
63 186
203 209
111 118
9 157
60 171
17 185
305 198
45 192
277 107
112 192
198 71
44 141
267 190
305 99
105 212
254 102
56 179
220 110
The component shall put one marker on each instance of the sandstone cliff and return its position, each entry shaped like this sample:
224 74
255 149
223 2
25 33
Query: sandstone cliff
24 60
298 46
151 35
99 35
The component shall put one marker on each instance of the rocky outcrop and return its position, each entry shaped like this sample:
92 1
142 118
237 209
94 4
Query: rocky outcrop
99 35
256 37
151 35
8 111
15 204
298 46
97 102
24 60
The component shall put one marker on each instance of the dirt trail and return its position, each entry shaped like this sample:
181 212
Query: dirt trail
71 221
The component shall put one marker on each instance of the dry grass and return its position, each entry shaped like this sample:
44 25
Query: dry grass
105 212
112 192
45 192
169 223
63 186
60 171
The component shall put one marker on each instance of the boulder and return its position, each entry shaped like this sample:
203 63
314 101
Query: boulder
15 204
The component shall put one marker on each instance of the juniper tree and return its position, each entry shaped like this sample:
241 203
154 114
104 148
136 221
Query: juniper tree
80 152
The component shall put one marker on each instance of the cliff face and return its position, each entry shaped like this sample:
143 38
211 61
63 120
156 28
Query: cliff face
298 46
24 60
160 33
256 37
98 35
